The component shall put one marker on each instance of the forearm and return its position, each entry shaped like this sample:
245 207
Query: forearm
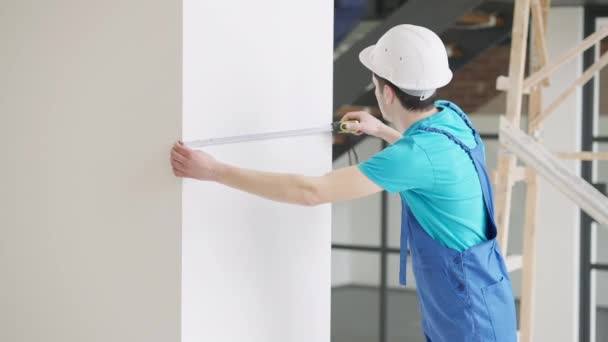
389 134
338 185
288 188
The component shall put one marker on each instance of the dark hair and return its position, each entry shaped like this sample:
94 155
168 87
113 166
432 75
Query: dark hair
409 102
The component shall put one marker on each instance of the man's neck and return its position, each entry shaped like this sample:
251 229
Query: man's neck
407 118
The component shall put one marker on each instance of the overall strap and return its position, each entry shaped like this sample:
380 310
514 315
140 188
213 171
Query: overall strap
462 115
450 136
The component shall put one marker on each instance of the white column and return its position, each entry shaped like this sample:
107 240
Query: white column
254 270
557 279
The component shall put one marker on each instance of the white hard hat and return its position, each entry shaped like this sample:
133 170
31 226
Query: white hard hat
411 57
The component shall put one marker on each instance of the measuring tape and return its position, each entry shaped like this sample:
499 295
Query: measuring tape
336 127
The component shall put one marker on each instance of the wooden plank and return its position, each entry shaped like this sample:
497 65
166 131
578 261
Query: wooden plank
584 78
537 61
540 43
517 61
583 155
550 68
583 194
503 194
526 324
506 162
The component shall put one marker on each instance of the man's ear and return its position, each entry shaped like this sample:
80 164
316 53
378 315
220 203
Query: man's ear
389 94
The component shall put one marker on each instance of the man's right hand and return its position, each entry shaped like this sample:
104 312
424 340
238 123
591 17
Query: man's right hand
367 123
370 125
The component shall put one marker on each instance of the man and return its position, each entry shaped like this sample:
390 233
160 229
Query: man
436 162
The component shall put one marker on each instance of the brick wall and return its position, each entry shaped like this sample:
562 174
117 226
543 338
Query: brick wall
475 84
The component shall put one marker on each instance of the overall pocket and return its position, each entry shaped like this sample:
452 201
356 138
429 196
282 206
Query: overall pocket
446 277
501 309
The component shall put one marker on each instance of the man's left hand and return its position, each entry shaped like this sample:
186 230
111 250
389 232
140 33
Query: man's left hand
189 163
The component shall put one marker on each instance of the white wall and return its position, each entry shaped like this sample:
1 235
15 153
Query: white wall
90 103
255 270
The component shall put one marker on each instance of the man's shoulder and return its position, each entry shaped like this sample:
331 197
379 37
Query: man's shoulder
425 138
412 142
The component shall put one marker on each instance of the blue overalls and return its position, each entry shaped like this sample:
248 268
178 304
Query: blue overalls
464 296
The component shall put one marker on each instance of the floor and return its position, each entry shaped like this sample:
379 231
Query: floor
355 316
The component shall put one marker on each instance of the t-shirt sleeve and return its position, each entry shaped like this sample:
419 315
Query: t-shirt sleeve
400 167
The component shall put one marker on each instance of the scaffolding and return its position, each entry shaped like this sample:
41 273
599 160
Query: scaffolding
530 24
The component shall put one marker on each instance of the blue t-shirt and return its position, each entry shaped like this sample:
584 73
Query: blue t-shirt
436 178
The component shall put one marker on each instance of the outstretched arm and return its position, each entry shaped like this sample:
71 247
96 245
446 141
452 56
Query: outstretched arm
339 185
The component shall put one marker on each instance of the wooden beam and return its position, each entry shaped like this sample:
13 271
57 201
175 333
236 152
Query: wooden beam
503 194
517 61
529 260
583 155
540 43
550 68
538 59
506 162
584 78
536 156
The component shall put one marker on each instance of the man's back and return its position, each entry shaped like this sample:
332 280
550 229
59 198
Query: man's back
436 178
